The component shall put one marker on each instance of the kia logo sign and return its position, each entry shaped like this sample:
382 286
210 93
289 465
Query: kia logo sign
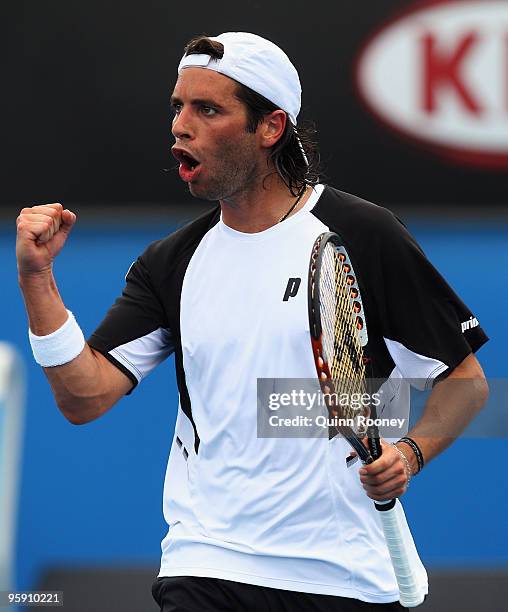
439 74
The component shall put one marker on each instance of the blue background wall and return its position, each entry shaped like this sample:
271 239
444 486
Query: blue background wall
92 494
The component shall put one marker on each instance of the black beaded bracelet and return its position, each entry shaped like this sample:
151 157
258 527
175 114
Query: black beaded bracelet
416 450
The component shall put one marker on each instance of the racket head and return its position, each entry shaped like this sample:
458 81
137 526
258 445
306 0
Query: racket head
322 243
339 335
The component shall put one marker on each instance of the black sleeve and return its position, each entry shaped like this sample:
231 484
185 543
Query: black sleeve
135 334
427 328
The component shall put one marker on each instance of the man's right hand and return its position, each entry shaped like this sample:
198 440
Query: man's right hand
42 232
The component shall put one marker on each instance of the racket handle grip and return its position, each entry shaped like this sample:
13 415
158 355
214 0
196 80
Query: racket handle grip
402 553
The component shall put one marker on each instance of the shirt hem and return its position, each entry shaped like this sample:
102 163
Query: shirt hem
278 583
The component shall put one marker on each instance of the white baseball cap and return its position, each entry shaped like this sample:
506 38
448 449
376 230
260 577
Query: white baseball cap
256 63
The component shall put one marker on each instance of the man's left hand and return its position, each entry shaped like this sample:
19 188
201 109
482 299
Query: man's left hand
387 477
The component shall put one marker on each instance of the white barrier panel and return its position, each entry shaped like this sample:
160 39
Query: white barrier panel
12 398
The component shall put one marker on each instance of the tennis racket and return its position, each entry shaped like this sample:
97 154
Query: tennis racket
340 345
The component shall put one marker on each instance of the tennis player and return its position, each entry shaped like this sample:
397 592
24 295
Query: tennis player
277 523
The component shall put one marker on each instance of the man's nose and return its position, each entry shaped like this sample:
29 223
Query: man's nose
182 125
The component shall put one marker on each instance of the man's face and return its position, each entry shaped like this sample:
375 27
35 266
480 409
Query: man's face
210 128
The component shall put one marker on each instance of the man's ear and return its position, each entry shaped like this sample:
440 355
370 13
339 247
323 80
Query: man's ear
272 127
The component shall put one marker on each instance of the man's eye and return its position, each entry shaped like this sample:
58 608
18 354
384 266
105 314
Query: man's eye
208 111
177 108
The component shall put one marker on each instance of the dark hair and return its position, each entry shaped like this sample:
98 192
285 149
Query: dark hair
295 169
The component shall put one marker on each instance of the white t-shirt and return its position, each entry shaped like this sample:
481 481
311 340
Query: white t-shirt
279 512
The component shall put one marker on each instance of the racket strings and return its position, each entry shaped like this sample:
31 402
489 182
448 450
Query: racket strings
342 349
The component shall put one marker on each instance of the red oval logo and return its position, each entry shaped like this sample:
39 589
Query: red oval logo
439 74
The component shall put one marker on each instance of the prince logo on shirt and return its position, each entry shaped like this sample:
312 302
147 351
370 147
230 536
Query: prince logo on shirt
292 288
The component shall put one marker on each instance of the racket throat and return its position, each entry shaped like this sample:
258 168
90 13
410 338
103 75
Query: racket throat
363 453
374 442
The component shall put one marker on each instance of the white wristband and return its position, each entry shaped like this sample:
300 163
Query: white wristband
59 347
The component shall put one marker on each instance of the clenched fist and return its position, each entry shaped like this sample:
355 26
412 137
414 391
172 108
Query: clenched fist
42 232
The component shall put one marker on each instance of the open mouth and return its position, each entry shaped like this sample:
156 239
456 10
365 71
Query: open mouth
186 160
